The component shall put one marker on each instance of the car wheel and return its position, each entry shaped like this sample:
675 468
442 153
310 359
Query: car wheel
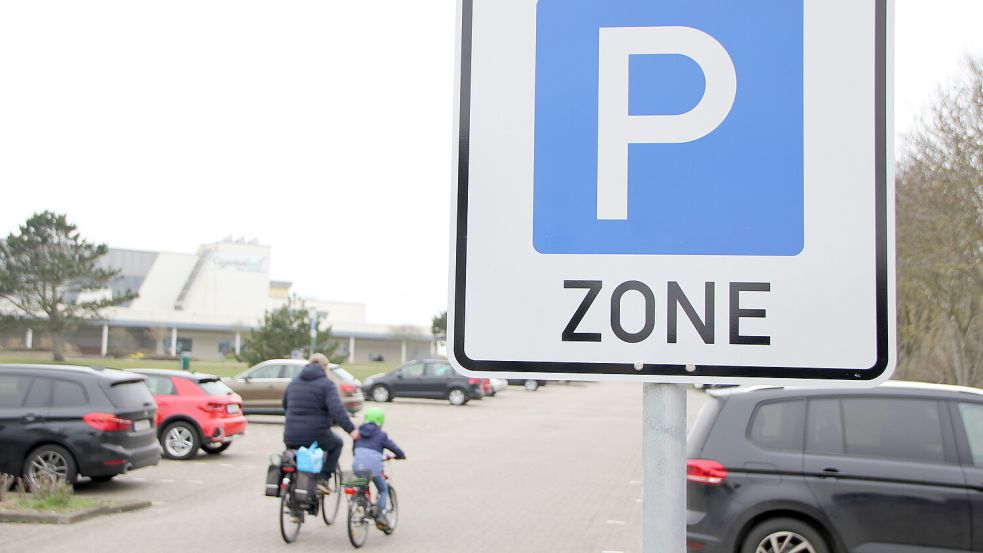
102 479
381 394
215 448
531 385
779 535
180 441
457 396
51 461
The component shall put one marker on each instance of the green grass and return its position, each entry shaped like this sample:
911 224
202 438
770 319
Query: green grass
216 367
220 367
362 371
55 504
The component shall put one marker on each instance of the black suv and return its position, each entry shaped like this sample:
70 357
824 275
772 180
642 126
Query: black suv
70 421
431 378
898 468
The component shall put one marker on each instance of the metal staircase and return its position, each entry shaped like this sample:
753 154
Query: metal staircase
204 254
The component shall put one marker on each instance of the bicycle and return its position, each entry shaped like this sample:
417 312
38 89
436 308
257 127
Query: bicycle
361 509
293 511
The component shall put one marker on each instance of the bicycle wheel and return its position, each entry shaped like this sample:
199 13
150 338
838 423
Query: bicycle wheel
331 503
392 513
290 516
358 520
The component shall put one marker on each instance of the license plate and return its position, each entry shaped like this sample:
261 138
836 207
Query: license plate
232 408
141 425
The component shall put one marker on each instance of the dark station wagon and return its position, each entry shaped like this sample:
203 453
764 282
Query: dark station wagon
892 469
68 421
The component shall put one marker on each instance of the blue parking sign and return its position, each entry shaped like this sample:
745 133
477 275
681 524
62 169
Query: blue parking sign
669 127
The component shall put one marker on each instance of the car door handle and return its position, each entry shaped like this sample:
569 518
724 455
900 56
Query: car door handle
830 471
31 417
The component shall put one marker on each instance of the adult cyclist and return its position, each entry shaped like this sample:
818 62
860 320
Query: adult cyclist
312 406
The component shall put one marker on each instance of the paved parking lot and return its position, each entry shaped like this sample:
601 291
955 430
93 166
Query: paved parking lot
553 470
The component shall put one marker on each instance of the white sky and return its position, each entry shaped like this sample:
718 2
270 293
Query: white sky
323 129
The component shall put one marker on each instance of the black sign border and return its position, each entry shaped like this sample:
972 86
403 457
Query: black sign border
655 370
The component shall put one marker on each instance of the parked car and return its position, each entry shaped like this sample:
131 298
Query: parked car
195 410
430 378
894 468
262 385
527 383
67 421
497 385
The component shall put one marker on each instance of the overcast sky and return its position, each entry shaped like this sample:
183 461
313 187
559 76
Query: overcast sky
321 128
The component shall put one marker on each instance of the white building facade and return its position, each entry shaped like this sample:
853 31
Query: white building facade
205 304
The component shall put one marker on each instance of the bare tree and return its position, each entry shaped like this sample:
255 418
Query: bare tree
940 233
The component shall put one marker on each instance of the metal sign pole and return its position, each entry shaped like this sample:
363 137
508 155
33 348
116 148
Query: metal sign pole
663 468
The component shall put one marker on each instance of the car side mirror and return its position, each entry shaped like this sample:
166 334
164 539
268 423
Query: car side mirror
399 375
245 379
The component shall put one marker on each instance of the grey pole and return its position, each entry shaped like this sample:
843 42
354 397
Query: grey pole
664 468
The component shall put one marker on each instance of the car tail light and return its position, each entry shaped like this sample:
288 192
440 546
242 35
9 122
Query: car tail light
214 408
474 381
107 422
349 491
348 388
703 471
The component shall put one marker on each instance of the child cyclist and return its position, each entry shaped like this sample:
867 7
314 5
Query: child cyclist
369 449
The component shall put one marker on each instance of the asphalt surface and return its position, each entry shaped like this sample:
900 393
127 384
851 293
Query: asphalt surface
558 469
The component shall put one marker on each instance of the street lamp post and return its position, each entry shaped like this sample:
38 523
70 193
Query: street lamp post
312 313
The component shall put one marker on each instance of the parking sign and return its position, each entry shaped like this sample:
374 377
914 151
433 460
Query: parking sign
674 190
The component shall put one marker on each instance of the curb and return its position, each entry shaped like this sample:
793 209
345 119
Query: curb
69 518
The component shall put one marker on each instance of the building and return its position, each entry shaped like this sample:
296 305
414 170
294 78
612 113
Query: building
205 304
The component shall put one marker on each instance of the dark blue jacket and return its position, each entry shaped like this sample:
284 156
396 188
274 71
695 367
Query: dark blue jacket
312 405
372 437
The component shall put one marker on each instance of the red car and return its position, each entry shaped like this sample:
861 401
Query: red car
195 411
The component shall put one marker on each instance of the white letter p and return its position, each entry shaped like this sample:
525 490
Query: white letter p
616 129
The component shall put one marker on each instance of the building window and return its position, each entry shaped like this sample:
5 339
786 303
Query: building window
183 345
226 347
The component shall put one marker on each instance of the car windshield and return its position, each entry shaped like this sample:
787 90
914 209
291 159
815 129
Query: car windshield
214 387
342 373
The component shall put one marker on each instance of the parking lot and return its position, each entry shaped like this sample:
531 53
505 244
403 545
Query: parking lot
552 470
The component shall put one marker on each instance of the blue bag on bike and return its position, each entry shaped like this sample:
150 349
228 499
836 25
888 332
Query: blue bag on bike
310 459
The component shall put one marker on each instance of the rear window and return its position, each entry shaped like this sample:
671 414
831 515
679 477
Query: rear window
214 387
161 386
778 425
68 394
894 428
972 414
342 373
13 390
129 394
697 435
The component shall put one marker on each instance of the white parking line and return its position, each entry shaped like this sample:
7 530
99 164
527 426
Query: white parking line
611 551
197 481
635 482
615 522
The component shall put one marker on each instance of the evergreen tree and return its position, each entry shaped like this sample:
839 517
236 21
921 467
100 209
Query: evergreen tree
46 270
285 330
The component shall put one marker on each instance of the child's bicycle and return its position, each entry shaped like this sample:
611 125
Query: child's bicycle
362 510
293 509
